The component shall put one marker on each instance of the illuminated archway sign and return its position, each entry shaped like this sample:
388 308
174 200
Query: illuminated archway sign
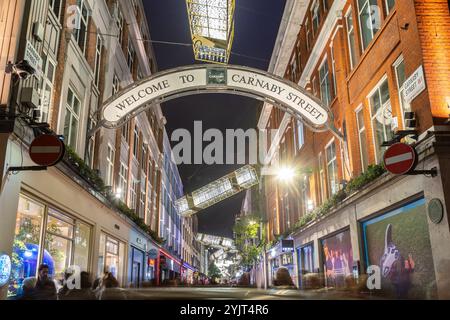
197 79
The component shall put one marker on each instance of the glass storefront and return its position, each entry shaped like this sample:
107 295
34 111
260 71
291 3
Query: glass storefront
407 268
111 257
46 235
305 263
337 257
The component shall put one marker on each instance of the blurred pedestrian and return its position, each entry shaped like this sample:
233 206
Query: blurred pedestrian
45 288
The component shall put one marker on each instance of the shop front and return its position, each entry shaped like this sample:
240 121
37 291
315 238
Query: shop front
398 242
111 257
46 235
188 273
279 258
306 265
337 258
169 268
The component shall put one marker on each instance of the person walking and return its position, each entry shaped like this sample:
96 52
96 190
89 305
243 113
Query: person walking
45 288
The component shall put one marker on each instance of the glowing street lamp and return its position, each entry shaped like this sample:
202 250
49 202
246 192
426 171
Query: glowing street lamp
286 174
212 29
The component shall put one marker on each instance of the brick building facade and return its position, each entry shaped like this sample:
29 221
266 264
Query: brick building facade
357 57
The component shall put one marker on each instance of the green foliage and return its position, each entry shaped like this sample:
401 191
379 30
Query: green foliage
214 271
123 208
85 171
246 234
97 183
372 173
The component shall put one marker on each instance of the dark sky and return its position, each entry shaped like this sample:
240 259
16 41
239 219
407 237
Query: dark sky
256 28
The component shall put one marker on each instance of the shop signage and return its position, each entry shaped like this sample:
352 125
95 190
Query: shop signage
233 79
5 269
153 253
400 159
436 211
287 245
32 57
414 85
47 150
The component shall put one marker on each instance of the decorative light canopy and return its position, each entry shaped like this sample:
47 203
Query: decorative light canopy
217 191
212 29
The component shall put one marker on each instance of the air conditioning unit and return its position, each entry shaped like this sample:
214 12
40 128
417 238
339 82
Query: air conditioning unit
30 98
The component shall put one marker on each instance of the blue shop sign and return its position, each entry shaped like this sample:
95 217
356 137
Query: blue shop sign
5 269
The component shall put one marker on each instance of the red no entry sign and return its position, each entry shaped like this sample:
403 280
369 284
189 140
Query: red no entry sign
400 158
47 150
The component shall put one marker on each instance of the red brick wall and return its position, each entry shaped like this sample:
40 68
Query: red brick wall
433 21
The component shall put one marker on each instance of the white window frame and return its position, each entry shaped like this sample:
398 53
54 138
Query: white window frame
350 33
333 70
110 159
130 55
331 161
136 141
326 78
401 89
308 33
322 178
123 181
120 22
299 135
47 82
315 16
372 117
115 84
360 11
98 59
82 21
361 130
73 115
388 12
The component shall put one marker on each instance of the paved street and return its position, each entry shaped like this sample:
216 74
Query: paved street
222 293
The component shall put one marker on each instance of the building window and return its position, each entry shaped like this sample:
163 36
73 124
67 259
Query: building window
72 119
115 84
315 16
55 6
44 235
322 178
142 197
136 142
362 138
133 193
333 72
325 90
308 35
399 67
351 38
332 168
98 58
381 114
299 137
81 31
130 55
369 20
119 22
126 132
47 88
110 156
389 6
111 257
123 182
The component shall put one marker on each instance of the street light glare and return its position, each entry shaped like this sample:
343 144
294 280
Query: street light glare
286 174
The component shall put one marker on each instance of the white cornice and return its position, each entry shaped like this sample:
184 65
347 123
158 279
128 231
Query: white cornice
328 27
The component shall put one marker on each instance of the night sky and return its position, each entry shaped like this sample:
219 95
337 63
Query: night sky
256 28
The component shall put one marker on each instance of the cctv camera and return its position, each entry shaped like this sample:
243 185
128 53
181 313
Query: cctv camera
23 70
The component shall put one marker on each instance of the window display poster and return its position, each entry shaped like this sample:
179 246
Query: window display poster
398 242
337 258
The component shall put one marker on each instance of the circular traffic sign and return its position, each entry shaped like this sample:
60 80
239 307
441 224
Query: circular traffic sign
47 150
400 158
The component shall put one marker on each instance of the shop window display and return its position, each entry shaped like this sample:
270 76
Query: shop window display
337 257
407 268
54 244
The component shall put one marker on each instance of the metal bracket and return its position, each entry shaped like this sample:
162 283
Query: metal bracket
32 168
433 172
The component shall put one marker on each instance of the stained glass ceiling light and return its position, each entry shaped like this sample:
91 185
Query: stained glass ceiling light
212 29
